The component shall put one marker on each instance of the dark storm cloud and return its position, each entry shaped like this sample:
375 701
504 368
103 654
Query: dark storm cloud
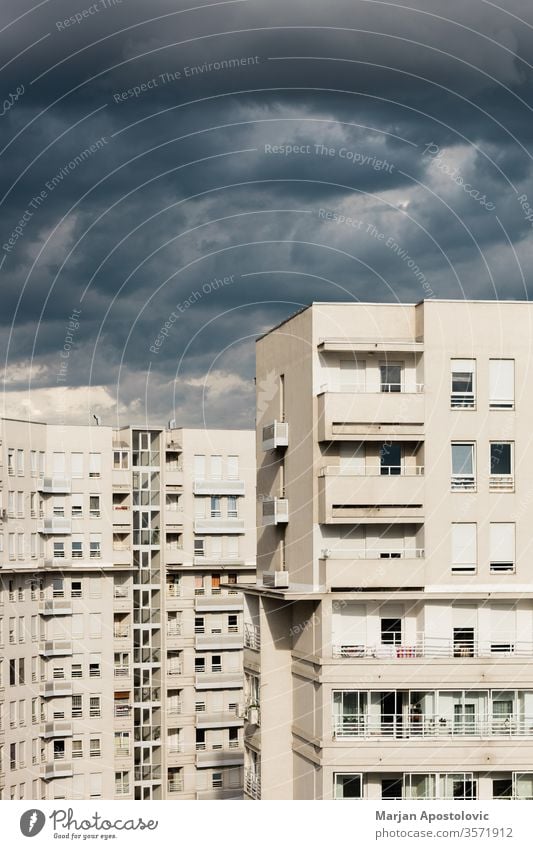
300 151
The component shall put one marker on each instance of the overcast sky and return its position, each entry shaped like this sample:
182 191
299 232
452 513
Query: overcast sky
205 170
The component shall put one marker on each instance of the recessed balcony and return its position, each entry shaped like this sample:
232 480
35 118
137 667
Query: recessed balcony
122 517
218 486
346 497
345 415
275 511
371 568
173 477
275 435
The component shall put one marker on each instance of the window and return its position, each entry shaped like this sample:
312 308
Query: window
94 747
122 783
11 461
390 454
20 461
232 507
94 465
463 642
76 459
11 503
391 632
463 384
59 750
94 506
20 505
215 507
95 546
33 463
347 785
94 706
77 707
58 506
76 670
94 665
390 377
233 466
501 467
77 548
199 550
216 780
233 623
59 549
95 624
463 466
121 460
501 384
76 505
199 466
502 547
199 664
77 749
58 465
216 466
76 589
216 663
464 547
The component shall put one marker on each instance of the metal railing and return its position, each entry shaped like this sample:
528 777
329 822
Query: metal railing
252 784
373 553
501 483
435 647
465 400
373 471
120 632
425 725
175 785
252 636
122 671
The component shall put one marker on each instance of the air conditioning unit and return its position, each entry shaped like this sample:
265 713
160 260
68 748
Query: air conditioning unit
276 579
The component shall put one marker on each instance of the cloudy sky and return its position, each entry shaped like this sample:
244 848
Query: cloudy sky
179 176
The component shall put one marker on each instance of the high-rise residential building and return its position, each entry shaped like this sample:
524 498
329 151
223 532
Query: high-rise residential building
389 639
121 634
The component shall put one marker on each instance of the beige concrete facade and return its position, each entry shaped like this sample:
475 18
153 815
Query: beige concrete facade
389 639
121 634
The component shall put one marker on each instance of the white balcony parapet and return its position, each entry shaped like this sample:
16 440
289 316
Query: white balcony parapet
373 471
416 726
364 388
218 486
213 525
55 525
54 485
275 435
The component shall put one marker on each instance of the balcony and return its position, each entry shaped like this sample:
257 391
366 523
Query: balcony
121 632
345 497
121 479
252 784
175 785
173 556
122 555
121 672
217 602
122 517
219 680
174 518
219 486
51 689
422 726
275 511
55 486
212 525
56 648
55 607
56 769
252 637
121 599
275 435
56 729
218 719
225 640
55 525
435 647
173 477
346 414
122 711
370 568
220 757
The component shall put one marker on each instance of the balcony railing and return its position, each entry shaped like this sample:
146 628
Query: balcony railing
174 630
373 553
175 785
121 632
122 711
425 725
122 671
436 648
252 784
252 636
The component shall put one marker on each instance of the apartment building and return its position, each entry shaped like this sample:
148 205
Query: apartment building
389 638
121 672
